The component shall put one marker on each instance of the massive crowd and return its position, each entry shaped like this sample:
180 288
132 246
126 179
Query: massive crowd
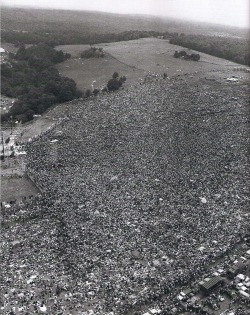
142 191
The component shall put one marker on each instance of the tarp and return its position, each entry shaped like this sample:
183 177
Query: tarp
207 285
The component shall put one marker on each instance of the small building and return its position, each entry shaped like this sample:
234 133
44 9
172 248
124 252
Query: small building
210 283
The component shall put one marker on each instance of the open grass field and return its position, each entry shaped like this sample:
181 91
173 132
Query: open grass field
134 59
74 50
85 71
152 54
13 188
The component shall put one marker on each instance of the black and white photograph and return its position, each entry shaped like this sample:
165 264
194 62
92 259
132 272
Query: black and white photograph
125 137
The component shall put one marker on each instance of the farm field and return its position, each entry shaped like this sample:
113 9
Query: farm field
135 59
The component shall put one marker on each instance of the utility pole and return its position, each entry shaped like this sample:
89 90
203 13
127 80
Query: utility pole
3 145
11 121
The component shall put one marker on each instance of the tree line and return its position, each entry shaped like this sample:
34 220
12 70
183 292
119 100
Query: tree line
72 37
230 48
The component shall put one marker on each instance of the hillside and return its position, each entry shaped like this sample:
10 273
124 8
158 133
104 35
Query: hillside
144 178
62 21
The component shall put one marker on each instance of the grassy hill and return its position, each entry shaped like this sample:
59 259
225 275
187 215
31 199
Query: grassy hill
135 169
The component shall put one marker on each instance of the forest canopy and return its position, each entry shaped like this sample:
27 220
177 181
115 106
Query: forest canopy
30 78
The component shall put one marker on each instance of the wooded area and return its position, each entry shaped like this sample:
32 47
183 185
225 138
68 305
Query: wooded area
30 77
230 48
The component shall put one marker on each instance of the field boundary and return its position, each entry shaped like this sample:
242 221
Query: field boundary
125 64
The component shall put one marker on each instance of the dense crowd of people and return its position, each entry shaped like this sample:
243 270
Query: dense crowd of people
142 191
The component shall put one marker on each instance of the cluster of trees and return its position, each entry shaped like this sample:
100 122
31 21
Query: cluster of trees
230 48
40 56
31 78
184 55
115 82
93 52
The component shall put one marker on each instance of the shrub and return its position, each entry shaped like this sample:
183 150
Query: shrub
96 91
88 93
115 75
93 52
113 85
183 54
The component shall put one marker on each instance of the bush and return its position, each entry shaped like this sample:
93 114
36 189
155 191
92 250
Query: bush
115 75
183 54
96 91
113 85
93 52
122 80
88 93
176 54
195 57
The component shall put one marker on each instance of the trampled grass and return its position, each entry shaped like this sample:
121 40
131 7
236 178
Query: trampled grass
13 188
